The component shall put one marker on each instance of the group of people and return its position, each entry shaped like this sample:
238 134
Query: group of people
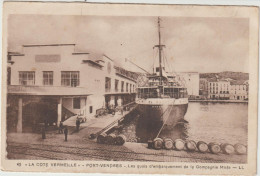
62 129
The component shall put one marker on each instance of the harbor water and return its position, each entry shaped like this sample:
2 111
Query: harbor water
217 122
209 122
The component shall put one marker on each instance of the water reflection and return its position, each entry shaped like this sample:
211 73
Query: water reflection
210 122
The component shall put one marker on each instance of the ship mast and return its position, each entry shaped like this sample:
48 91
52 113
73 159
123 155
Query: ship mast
160 53
160 47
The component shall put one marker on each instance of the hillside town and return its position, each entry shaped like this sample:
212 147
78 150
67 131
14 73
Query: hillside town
223 89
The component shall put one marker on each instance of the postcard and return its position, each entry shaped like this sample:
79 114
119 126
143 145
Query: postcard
129 88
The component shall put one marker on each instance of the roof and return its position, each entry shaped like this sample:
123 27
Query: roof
79 53
108 57
49 45
214 79
47 90
238 82
92 62
15 54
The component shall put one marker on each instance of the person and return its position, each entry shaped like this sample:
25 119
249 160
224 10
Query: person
122 110
43 133
77 124
45 123
61 128
66 133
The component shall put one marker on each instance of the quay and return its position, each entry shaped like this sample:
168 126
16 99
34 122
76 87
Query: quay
80 147
31 146
220 101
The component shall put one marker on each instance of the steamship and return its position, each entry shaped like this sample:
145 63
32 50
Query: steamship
162 99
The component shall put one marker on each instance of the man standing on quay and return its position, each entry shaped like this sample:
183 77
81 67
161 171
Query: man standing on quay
77 124
66 133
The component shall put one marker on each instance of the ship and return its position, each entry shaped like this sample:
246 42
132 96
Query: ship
162 100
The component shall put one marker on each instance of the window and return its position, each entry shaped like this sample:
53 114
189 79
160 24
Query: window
116 85
70 78
108 84
90 109
47 78
76 103
27 78
126 87
122 86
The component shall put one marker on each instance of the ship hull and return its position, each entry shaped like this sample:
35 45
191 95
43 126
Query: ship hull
160 118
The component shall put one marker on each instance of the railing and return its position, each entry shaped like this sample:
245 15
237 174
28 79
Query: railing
164 95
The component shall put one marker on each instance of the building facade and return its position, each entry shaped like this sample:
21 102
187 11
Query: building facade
218 89
50 83
191 81
203 86
239 90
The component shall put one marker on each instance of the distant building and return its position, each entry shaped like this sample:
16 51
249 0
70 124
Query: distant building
203 91
218 89
191 81
49 83
239 90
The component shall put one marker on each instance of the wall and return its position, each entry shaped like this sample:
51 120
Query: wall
238 92
191 82
68 62
91 77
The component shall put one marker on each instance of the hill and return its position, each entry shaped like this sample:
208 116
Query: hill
227 74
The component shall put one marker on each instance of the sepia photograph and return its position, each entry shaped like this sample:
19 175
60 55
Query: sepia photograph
149 88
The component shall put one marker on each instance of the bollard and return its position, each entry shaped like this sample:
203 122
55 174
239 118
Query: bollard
150 144
92 136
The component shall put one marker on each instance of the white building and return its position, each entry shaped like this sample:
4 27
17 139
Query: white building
218 89
192 82
53 82
239 90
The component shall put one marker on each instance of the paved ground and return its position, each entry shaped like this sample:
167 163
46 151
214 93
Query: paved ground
79 147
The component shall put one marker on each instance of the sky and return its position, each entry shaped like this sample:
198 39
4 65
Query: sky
193 44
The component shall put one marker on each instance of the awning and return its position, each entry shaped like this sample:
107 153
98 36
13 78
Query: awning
47 90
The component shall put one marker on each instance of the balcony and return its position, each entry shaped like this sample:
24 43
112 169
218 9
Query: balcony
126 74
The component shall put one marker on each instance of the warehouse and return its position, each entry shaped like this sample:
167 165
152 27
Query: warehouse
50 83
